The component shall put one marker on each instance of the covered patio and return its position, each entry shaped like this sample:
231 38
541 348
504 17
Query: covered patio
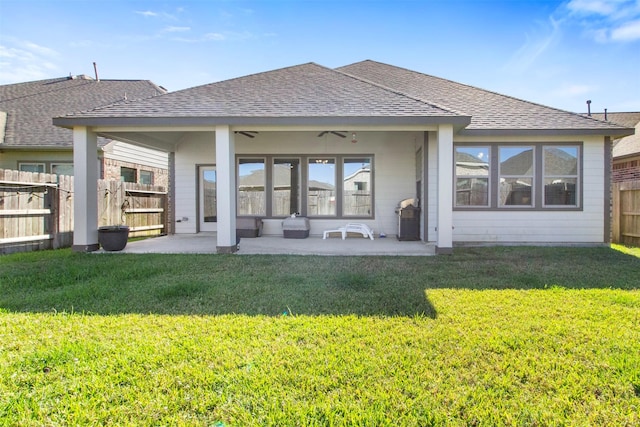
205 243
305 140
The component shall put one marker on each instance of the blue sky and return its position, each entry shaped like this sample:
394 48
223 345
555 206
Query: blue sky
557 53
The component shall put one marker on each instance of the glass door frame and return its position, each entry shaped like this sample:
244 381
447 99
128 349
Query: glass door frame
204 225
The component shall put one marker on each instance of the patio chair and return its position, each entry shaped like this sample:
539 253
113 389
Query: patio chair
352 227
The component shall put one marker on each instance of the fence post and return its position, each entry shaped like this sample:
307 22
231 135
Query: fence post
53 197
615 216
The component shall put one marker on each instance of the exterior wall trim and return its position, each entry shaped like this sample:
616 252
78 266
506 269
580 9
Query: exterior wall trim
425 187
171 191
608 163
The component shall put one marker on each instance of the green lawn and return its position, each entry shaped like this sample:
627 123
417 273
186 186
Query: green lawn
487 336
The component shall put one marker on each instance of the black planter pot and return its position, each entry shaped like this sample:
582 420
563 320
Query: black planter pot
113 237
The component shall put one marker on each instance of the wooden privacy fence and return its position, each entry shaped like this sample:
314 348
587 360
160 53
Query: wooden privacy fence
319 202
141 207
36 209
625 225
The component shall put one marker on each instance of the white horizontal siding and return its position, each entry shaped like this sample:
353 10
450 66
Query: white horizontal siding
197 149
10 159
125 152
394 170
585 226
527 226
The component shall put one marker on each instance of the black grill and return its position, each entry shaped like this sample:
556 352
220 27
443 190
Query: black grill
408 220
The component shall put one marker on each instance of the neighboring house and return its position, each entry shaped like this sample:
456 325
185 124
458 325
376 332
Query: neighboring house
30 142
541 174
626 150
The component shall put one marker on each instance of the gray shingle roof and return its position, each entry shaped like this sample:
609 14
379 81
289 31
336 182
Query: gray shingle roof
627 119
367 92
629 145
31 106
490 111
303 91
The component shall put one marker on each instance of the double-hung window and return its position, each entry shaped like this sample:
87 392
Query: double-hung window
356 187
516 176
560 166
321 187
251 187
285 194
472 176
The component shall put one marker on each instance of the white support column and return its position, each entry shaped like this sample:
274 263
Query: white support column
226 188
170 218
85 183
444 244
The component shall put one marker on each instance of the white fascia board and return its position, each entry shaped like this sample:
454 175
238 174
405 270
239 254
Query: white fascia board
267 128
143 129
346 128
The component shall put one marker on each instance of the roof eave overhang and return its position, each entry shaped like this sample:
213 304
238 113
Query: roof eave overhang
5 147
626 156
613 132
70 122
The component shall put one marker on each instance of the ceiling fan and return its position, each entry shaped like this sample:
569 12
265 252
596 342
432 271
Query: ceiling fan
247 133
341 133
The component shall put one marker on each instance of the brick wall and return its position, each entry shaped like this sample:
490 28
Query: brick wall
111 171
627 170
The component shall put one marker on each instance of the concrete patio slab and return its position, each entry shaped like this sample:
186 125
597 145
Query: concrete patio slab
205 243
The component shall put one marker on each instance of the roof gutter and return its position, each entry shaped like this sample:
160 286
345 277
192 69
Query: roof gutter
5 147
626 156
70 122
616 132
